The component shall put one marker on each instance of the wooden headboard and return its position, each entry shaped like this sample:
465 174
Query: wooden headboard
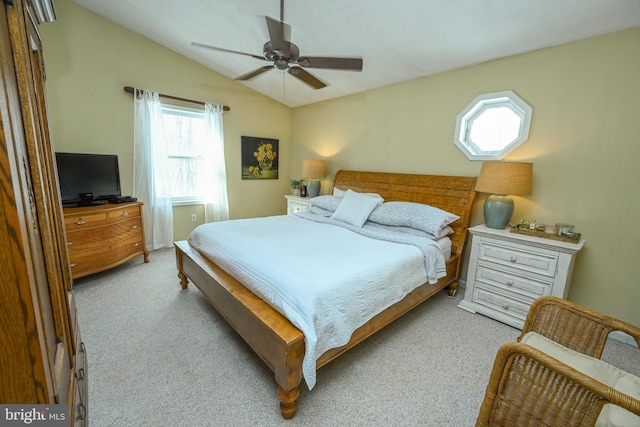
453 194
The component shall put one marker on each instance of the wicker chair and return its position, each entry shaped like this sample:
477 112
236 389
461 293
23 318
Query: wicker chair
528 387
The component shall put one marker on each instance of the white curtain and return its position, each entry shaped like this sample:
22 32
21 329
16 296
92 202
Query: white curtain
216 206
151 181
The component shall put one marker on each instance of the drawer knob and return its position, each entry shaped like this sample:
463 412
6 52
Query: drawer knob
513 259
134 227
136 244
509 282
125 213
80 222
69 243
505 306
73 265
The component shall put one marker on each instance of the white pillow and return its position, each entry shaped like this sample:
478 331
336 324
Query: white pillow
326 202
338 192
355 208
444 232
320 212
415 215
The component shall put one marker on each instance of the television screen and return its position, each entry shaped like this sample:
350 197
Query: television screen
87 178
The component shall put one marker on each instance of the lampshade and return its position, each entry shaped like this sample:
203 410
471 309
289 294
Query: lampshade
502 179
505 178
313 168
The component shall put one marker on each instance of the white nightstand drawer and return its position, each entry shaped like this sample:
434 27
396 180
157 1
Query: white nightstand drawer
502 303
297 207
512 282
297 204
519 257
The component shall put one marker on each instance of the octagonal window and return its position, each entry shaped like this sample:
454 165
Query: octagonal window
492 126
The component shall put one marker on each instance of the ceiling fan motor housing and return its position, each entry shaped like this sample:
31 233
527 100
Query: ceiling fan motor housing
280 57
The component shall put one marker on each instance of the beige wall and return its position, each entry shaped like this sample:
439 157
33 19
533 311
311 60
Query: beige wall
583 139
583 142
89 60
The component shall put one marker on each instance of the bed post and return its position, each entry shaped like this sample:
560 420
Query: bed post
288 402
288 373
184 280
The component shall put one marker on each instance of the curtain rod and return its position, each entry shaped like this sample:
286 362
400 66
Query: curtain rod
131 90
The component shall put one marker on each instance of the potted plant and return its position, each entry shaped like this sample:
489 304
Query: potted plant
296 185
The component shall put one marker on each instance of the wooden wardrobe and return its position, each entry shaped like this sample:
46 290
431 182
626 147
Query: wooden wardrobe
42 357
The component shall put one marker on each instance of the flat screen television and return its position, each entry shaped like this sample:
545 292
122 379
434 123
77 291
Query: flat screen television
87 179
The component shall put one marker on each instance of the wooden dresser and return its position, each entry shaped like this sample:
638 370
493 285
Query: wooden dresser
104 236
43 360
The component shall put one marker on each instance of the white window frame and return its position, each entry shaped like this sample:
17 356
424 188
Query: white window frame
188 112
482 103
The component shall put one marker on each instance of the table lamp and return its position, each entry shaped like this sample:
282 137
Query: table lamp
313 170
502 179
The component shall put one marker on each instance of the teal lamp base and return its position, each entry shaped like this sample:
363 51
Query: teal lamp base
313 187
497 211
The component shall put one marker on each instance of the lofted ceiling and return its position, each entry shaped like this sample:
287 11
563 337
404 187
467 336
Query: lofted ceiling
398 40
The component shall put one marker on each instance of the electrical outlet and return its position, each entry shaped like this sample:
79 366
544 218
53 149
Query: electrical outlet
193 217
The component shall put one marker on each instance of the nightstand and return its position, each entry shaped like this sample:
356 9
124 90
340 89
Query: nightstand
297 204
507 271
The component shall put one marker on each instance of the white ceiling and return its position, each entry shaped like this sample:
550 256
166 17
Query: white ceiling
399 40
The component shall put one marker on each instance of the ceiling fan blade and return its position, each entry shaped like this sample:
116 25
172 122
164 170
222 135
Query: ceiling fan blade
254 73
347 64
280 35
306 77
206 46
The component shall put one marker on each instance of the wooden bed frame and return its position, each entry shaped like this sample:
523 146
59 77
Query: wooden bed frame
276 340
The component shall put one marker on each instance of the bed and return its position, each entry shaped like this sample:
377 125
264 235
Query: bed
273 336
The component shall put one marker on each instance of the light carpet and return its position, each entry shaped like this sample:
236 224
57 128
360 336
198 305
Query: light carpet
162 356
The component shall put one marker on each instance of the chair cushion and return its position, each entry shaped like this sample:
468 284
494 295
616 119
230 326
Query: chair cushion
609 375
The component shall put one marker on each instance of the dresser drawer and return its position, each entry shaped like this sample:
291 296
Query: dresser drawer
101 236
82 222
98 259
127 228
520 257
512 282
123 214
502 302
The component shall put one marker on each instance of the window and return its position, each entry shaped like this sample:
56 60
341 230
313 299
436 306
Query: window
492 126
185 136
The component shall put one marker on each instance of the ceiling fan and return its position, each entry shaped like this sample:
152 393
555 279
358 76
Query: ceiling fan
286 55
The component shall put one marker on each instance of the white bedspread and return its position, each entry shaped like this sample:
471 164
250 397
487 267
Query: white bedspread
326 279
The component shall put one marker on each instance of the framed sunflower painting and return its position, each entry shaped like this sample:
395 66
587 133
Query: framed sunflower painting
259 158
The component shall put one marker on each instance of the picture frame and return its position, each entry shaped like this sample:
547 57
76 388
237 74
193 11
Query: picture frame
259 157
